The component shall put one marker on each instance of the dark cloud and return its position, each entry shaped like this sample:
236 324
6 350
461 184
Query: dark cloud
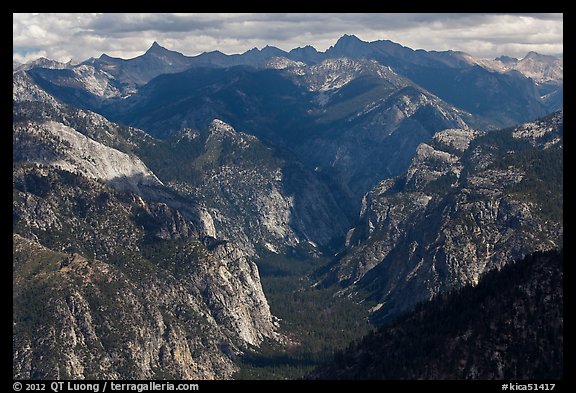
110 24
80 36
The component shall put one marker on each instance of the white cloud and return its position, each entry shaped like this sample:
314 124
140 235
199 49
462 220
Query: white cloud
29 56
80 36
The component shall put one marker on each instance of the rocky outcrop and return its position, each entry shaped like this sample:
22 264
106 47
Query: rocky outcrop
138 289
232 176
470 202
235 298
98 322
61 146
357 112
123 282
354 120
32 104
256 197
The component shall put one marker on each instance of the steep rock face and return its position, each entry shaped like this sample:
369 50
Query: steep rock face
254 196
187 305
234 295
31 103
98 322
360 101
337 115
46 131
25 89
61 146
186 302
469 203
372 119
97 82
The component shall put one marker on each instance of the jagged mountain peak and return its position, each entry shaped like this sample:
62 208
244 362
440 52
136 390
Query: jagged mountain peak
157 50
272 50
534 55
347 44
352 46
507 59
308 54
255 56
105 57
307 48
269 47
347 39
275 159
541 68
155 46
43 62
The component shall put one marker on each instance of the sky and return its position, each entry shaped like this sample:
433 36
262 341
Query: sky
77 37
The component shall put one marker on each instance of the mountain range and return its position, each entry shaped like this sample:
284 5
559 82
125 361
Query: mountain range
147 192
469 203
322 105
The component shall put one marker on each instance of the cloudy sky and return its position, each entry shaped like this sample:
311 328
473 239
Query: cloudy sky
81 36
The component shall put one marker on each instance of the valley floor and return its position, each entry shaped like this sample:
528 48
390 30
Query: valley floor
315 322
